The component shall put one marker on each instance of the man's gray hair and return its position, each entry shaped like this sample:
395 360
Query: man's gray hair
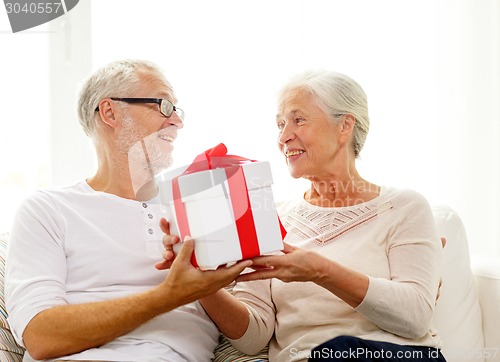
117 79
336 93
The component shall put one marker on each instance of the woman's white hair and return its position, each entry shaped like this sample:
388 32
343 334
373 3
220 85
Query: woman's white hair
336 93
117 79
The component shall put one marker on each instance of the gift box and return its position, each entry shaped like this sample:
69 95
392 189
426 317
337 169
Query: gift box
225 203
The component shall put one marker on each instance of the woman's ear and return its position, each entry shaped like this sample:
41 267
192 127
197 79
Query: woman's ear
348 122
346 130
347 126
107 111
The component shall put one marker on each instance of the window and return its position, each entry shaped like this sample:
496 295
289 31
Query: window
24 114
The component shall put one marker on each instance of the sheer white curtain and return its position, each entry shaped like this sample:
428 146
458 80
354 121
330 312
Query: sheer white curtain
430 69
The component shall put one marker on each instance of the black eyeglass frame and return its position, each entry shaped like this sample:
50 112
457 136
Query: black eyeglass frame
169 108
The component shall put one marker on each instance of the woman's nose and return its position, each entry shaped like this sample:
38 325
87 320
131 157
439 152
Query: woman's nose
286 134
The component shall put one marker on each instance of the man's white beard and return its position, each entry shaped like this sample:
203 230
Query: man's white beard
145 156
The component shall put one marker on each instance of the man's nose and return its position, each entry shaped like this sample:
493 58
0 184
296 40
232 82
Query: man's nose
175 120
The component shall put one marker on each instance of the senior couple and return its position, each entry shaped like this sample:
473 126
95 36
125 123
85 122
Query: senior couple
89 278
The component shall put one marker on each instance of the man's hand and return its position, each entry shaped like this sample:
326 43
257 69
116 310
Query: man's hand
186 283
168 242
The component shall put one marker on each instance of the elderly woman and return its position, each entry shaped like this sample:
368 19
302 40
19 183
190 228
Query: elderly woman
360 268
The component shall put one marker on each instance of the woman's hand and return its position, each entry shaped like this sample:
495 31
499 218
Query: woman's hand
302 265
168 243
443 243
294 265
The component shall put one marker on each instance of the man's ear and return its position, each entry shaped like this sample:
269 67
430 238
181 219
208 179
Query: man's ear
108 112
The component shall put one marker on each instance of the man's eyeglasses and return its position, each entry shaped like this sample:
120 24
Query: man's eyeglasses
166 107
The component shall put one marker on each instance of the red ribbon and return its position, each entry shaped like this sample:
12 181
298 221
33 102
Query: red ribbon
217 157
242 210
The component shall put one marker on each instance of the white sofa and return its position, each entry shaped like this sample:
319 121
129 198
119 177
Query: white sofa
467 312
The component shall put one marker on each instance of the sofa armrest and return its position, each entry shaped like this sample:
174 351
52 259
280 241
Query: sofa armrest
487 275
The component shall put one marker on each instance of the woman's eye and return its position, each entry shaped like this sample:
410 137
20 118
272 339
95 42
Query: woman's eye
299 120
281 125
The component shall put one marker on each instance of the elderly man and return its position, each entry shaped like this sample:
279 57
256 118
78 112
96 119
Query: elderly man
81 281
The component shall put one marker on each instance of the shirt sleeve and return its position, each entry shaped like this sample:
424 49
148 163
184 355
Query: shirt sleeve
257 297
404 304
36 262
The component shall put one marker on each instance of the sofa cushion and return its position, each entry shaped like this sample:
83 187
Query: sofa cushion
458 315
3 312
225 352
9 349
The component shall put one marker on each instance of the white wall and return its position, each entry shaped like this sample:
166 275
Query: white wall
468 116
430 69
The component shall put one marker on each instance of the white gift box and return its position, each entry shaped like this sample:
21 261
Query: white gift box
230 212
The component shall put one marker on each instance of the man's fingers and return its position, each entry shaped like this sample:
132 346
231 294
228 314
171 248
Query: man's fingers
288 248
187 249
168 254
165 226
169 241
162 265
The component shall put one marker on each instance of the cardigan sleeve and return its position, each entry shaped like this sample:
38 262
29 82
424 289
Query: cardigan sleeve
404 304
257 298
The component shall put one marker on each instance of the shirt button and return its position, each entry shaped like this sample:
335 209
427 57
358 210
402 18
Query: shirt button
150 216
144 205
150 231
